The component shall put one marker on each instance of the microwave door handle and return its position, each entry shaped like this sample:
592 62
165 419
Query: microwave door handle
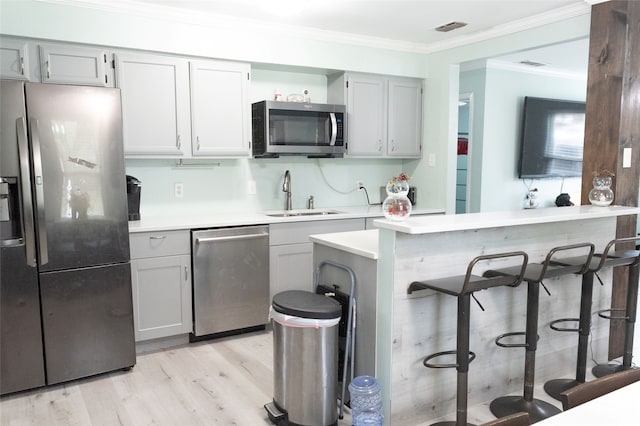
39 192
334 128
27 200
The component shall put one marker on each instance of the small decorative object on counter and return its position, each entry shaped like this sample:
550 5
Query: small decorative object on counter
531 200
601 194
397 205
277 96
366 401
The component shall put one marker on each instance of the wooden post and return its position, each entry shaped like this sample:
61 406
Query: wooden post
612 123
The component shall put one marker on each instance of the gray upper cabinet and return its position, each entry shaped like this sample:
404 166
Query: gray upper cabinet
15 59
220 109
64 64
155 104
405 117
384 114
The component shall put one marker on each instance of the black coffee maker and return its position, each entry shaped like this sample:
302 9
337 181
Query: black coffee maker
133 197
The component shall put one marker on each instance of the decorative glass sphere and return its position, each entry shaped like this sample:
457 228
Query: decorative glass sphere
397 187
601 195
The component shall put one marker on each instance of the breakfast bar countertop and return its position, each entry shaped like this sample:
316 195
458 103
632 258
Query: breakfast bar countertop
461 222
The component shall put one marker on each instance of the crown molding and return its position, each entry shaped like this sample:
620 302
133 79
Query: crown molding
169 14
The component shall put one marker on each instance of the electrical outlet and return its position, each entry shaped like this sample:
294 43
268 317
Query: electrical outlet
359 184
431 160
178 190
251 187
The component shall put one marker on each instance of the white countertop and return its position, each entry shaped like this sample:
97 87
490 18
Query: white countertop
217 219
362 243
459 222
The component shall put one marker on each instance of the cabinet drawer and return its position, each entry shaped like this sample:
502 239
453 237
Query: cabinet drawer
298 232
153 244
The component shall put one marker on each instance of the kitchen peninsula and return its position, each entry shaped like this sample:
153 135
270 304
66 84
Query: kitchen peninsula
410 327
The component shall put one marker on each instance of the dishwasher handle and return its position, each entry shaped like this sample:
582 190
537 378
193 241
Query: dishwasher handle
230 238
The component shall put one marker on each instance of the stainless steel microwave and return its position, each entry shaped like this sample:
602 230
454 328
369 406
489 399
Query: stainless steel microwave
298 128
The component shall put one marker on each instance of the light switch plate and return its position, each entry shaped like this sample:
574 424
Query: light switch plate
626 158
251 187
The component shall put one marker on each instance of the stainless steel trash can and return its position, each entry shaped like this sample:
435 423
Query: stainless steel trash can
305 358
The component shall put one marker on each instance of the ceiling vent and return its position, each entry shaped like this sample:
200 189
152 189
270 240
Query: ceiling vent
451 26
532 63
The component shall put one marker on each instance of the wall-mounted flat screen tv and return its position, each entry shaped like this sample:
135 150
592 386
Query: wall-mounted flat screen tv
552 138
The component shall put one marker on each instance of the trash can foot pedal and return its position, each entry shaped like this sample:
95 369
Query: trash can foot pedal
276 416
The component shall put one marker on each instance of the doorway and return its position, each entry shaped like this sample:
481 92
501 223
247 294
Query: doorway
464 148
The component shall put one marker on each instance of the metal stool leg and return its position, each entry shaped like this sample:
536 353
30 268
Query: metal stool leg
537 409
632 306
555 387
462 360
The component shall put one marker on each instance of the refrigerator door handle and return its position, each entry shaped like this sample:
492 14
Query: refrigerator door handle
28 230
39 192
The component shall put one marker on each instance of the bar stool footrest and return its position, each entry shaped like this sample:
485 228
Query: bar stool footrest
601 314
511 345
553 326
428 364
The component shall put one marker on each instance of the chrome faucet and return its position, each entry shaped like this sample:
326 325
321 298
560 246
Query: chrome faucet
286 187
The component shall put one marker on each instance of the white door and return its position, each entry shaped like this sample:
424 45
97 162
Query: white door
367 119
220 110
155 104
405 118
75 65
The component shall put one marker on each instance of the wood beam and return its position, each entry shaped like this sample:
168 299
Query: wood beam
612 123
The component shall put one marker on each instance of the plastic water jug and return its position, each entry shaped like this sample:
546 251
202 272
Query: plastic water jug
366 401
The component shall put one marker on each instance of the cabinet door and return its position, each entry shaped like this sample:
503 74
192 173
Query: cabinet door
366 122
220 110
155 104
405 118
290 268
75 65
14 59
161 296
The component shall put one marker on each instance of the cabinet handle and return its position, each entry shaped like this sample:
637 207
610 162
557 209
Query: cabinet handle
379 145
157 237
393 145
178 143
22 65
198 143
48 69
186 274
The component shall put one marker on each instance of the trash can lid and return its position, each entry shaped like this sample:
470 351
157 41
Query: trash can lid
305 304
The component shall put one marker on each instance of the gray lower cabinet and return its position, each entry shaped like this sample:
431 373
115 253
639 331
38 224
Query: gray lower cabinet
161 284
291 252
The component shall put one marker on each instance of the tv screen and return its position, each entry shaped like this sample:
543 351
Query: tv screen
552 138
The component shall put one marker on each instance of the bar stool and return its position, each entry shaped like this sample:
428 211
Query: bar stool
463 287
598 262
534 274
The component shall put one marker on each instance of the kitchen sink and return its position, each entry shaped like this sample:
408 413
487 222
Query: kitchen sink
301 212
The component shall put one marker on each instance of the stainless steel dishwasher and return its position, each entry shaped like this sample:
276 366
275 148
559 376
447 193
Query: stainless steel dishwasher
230 279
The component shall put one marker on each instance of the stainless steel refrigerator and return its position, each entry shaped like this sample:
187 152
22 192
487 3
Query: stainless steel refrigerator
65 301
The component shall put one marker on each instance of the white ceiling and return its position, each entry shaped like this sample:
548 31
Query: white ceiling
408 25
404 21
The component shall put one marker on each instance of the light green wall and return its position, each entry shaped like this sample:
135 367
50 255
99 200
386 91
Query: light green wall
504 98
442 88
144 31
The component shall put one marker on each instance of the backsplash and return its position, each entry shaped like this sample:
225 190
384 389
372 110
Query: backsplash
222 185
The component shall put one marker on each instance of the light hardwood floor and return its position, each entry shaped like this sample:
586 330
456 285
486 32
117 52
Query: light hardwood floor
217 382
